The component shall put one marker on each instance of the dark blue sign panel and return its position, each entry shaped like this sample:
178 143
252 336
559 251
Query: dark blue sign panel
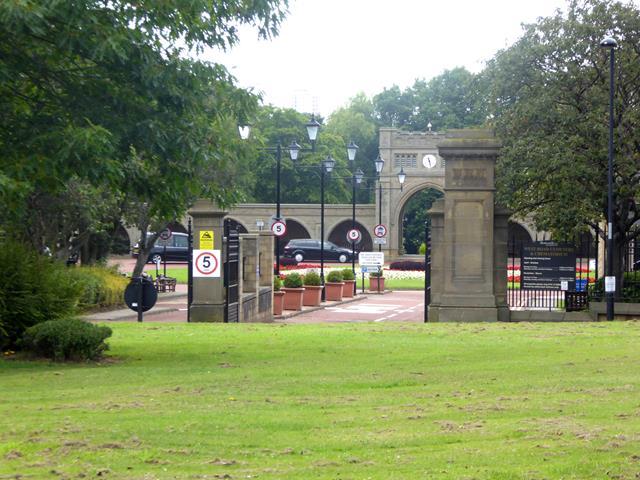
546 265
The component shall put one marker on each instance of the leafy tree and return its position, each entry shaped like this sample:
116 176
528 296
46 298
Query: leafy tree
356 122
453 99
103 91
414 217
393 107
550 98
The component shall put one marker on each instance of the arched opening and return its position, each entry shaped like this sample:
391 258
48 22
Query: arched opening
177 227
517 236
413 217
236 225
339 236
294 230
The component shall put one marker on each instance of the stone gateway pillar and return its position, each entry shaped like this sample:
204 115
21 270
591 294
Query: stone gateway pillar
469 233
208 293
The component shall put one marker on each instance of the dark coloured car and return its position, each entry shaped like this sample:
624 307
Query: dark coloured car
177 249
307 249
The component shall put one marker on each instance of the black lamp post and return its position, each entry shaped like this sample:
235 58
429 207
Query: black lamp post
327 165
356 177
312 131
379 163
610 286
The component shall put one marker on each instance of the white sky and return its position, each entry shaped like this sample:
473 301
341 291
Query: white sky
329 50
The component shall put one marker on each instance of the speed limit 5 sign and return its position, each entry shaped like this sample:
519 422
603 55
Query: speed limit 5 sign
206 263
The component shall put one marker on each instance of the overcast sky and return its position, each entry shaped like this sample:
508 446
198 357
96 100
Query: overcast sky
329 50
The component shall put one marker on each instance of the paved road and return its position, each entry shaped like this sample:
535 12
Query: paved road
404 306
391 307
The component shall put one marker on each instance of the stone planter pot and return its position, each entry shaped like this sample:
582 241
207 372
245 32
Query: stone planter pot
333 291
293 298
376 284
312 295
349 288
278 302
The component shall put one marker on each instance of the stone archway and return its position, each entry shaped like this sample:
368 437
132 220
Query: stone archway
413 213
235 224
338 236
295 230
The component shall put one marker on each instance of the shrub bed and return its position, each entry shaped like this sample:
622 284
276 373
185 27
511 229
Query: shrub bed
407 265
100 287
67 339
33 288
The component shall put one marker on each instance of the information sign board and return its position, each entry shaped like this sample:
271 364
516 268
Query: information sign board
380 241
547 265
371 259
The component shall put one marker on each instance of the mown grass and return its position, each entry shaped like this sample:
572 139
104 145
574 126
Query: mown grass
348 401
390 283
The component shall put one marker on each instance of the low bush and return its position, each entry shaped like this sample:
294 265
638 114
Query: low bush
312 279
347 274
33 288
409 265
423 248
100 287
277 283
379 273
293 280
67 339
335 276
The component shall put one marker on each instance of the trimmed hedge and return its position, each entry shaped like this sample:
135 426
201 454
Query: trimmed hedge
293 280
347 274
335 276
68 339
407 265
312 279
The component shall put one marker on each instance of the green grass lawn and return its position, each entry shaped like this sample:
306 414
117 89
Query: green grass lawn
390 283
342 401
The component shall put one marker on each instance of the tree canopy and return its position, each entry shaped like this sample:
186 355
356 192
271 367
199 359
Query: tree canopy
104 93
549 95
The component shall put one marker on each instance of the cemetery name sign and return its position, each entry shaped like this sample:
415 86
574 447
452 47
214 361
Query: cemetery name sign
547 265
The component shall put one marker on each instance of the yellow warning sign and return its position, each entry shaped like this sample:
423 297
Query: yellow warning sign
206 240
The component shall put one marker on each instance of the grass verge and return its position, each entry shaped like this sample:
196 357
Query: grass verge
390 283
378 401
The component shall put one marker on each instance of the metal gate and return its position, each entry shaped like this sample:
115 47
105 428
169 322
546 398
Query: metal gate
586 268
231 273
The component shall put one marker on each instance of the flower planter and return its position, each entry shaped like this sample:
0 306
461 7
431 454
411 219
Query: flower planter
312 295
376 284
278 302
349 288
333 291
293 298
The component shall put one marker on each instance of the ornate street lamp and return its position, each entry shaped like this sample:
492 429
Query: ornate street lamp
294 149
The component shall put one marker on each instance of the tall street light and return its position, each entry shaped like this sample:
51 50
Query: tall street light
327 165
312 132
356 178
610 285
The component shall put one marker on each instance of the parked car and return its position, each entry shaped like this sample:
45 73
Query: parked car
307 249
177 249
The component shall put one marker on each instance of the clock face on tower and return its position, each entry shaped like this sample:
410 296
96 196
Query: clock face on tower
429 160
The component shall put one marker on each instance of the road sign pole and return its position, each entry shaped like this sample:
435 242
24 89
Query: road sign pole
189 271
140 298
164 258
